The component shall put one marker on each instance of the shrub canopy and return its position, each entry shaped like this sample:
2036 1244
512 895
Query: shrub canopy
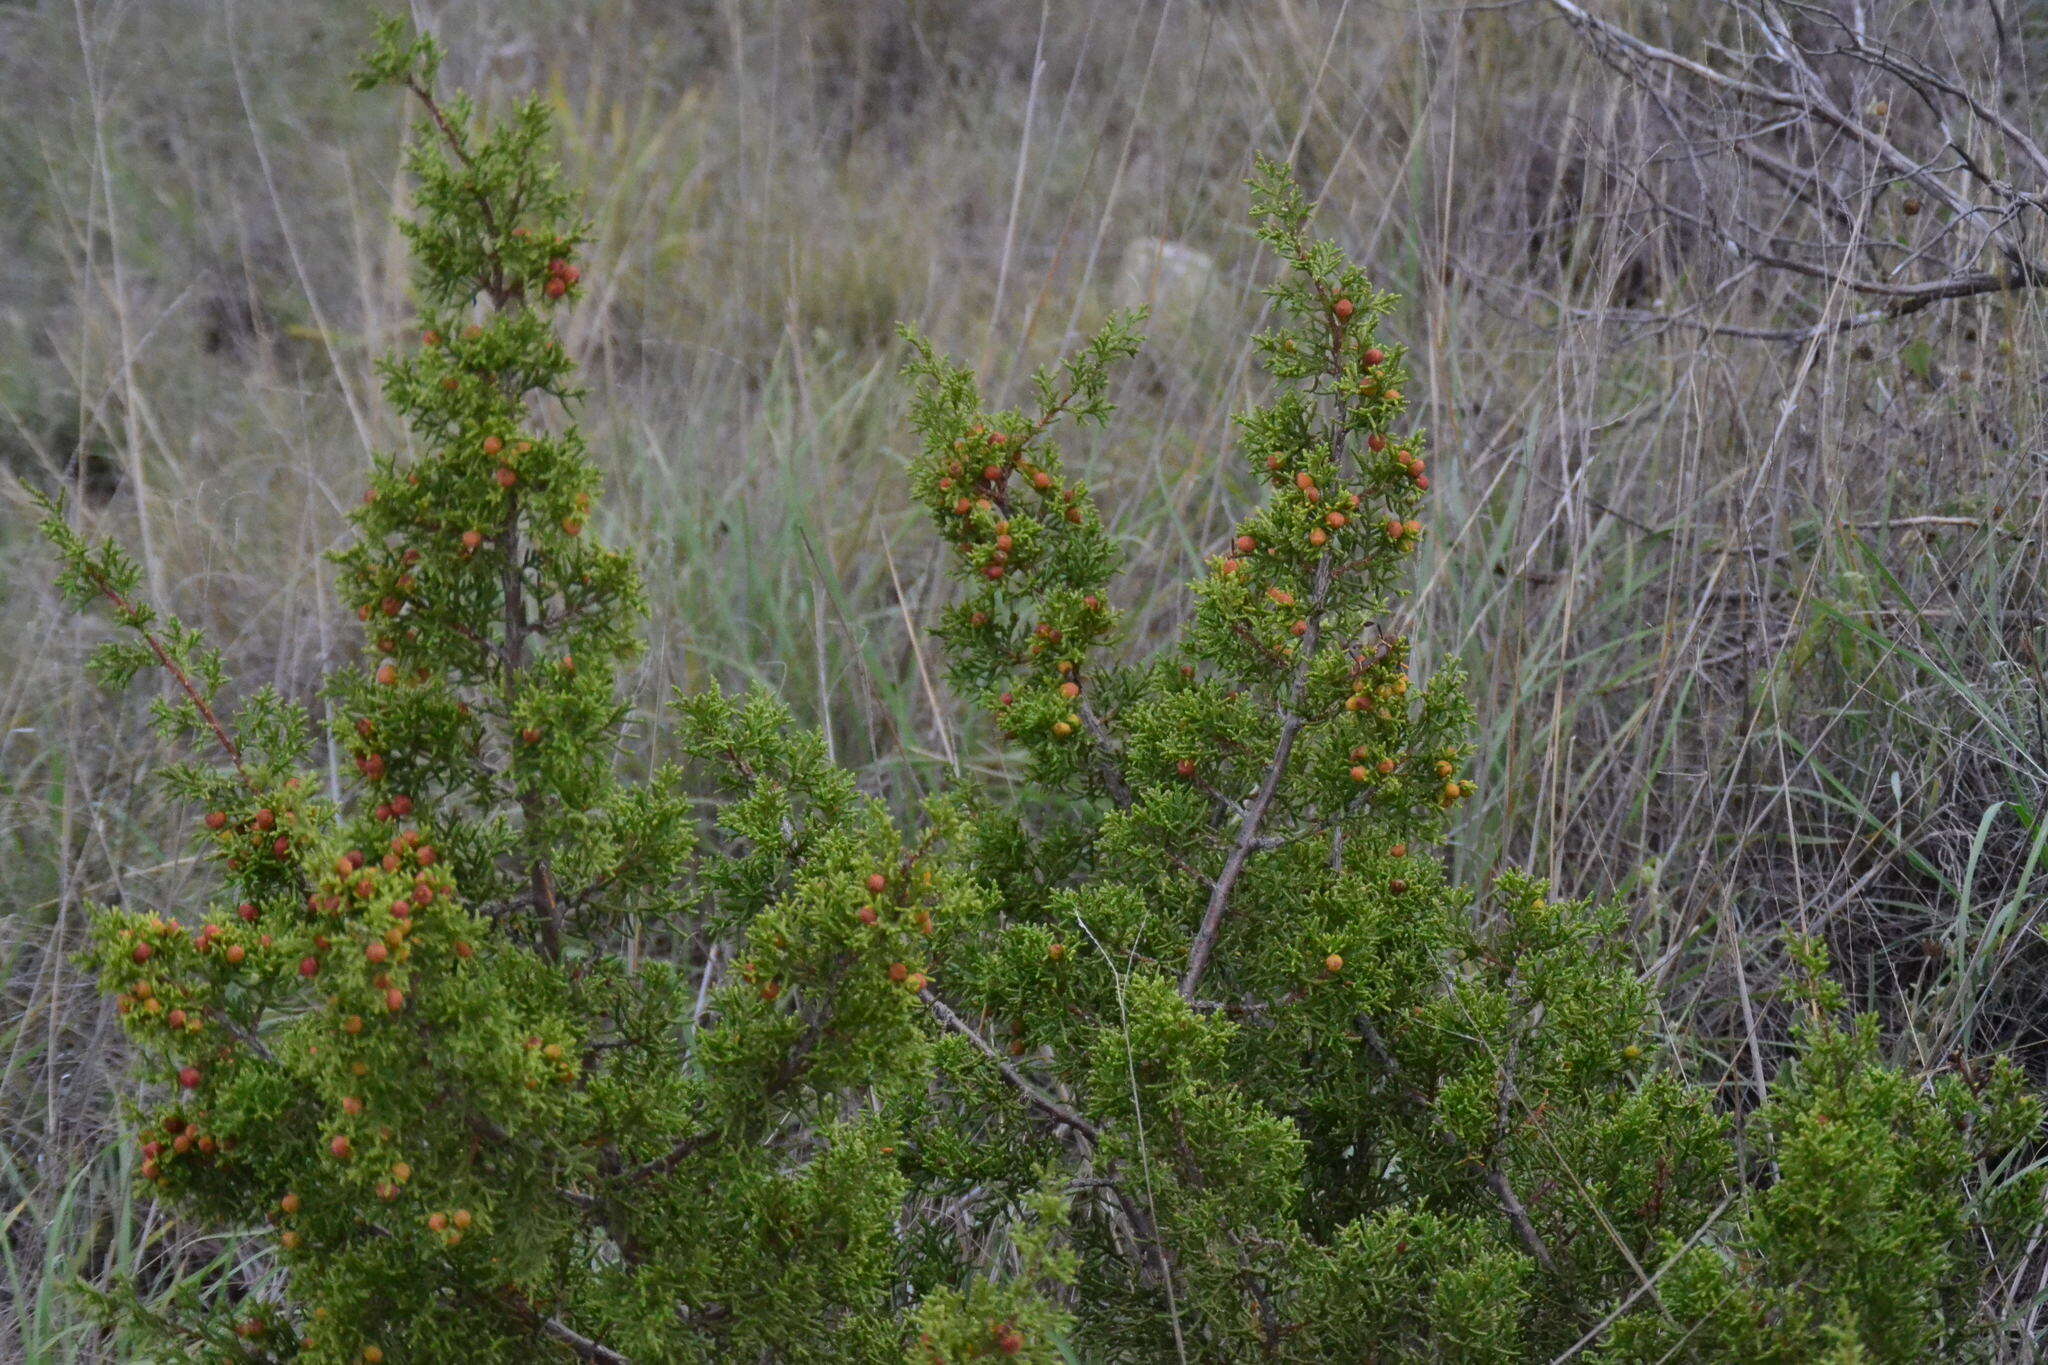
1184 1048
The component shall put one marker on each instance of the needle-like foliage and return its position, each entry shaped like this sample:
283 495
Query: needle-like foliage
1193 1051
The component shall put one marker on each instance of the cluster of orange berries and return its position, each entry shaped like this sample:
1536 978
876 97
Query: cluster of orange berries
370 762
506 474
266 832
869 915
1374 385
342 1149
1362 770
1406 460
1284 600
1311 492
1045 637
1379 699
976 479
914 982
555 1055
176 1136
352 878
1413 465
396 591
450 1226
143 997
1066 725
1336 519
561 278
1001 456
876 884
1404 534
990 477
397 808
1343 509
999 557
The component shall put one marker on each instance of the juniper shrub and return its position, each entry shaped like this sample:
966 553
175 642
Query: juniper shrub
1190 1051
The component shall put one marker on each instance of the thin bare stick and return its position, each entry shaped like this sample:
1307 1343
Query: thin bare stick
1497 1179
1955 148
128 611
583 1346
924 677
1033 1096
1494 1178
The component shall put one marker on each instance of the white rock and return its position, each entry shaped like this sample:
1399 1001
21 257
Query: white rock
1170 278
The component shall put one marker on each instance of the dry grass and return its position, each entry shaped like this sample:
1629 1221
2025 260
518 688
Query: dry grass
1728 669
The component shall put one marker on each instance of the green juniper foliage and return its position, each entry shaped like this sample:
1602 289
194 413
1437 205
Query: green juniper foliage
1190 1052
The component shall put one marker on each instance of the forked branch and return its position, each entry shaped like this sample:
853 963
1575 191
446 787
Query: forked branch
1849 136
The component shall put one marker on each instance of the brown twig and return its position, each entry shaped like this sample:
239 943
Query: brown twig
1032 1095
1494 1178
585 1347
675 1156
1291 724
130 613
1107 749
1497 1179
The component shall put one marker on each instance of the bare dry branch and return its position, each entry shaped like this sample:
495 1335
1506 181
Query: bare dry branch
1893 178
